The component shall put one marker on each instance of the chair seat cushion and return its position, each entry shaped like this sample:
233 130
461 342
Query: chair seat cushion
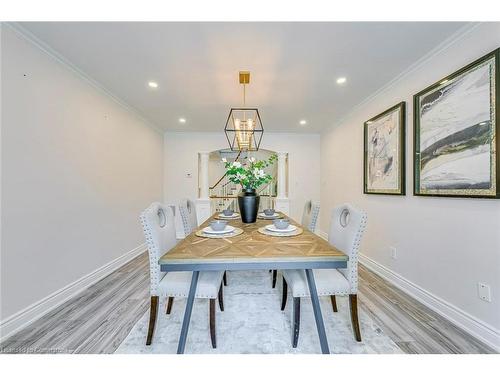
328 282
176 284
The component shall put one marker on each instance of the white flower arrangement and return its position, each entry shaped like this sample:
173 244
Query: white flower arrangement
252 174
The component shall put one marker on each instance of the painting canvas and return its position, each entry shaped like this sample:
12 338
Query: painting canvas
455 133
384 152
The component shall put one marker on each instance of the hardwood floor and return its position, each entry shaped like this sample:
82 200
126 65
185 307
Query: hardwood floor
95 321
411 325
98 319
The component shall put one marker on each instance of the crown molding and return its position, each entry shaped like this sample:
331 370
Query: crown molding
34 40
441 47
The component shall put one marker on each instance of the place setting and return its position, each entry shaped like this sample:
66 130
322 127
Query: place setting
269 214
228 214
219 229
281 228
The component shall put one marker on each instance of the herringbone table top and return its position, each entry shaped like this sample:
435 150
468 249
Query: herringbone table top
252 246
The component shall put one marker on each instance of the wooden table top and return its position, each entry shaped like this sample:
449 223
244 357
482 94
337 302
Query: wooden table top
252 246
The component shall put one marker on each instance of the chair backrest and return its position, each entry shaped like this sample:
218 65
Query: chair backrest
187 210
310 215
346 230
159 229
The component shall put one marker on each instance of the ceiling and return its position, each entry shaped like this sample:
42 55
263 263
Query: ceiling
294 66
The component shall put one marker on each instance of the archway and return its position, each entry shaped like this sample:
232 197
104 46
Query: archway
216 192
223 193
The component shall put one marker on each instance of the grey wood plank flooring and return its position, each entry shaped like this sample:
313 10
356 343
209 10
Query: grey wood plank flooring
99 318
412 326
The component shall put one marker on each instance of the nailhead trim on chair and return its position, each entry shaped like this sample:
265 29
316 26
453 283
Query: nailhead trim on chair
188 215
154 251
185 295
352 245
152 247
352 264
327 293
310 215
314 217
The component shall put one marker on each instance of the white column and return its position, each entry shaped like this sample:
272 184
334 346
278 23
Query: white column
204 187
282 175
203 207
282 203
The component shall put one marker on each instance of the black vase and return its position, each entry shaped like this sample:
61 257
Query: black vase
248 201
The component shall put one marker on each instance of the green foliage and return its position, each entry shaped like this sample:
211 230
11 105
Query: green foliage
250 175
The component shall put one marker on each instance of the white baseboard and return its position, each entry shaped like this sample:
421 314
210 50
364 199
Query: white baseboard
477 328
21 319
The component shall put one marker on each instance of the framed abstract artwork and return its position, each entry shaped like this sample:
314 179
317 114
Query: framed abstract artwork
384 152
456 133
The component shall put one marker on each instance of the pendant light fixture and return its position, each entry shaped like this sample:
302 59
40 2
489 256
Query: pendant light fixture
244 128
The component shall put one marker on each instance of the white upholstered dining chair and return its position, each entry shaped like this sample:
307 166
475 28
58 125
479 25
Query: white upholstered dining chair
346 230
187 209
159 229
309 221
310 215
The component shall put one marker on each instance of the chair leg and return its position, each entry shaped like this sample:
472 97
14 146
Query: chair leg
221 298
169 304
334 303
225 278
212 322
284 295
296 321
275 272
353 303
153 312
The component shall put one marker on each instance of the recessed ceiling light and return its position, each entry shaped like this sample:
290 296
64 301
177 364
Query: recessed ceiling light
153 84
341 80
182 120
303 122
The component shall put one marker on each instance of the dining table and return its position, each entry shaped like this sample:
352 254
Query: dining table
253 250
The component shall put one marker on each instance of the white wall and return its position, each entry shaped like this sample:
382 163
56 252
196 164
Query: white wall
77 169
181 157
445 245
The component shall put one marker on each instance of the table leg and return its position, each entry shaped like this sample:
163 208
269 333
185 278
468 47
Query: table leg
187 312
317 312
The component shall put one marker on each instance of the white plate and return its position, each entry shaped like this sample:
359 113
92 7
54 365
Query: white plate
262 214
272 228
235 214
209 230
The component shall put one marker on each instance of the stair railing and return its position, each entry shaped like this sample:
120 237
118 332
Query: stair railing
224 193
